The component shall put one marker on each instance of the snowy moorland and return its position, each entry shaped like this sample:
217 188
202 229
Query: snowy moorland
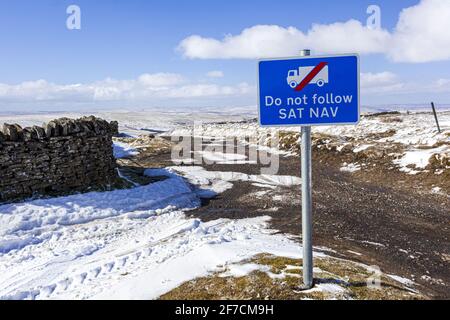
135 243
141 243
410 141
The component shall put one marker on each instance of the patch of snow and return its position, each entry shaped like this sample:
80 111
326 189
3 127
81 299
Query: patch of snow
437 190
278 198
28 223
414 129
207 186
8 244
404 281
341 147
374 243
325 249
262 185
260 194
332 288
225 158
291 267
220 181
124 150
351 167
241 270
280 275
418 158
222 243
362 148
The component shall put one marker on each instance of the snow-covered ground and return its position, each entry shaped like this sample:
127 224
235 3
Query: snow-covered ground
414 134
210 183
139 243
136 122
123 150
134 244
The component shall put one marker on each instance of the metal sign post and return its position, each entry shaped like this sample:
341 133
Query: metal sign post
306 202
308 91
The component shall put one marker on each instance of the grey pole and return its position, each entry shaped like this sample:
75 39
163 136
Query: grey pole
308 282
435 117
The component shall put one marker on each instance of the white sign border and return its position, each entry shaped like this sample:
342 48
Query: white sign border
310 124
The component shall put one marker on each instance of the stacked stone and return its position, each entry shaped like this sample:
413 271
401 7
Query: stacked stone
61 157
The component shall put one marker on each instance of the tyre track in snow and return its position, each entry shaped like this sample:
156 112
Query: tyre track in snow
92 272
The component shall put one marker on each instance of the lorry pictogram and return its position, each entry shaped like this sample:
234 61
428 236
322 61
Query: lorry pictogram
296 77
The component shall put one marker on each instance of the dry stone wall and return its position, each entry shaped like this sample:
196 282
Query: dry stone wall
61 157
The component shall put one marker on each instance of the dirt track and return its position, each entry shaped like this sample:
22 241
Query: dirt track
366 218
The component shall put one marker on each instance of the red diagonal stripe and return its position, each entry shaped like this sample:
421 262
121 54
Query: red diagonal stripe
314 72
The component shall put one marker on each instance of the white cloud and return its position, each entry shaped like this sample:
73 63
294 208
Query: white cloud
215 74
41 90
440 85
419 36
160 79
211 90
146 87
275 41
388 82
381 82
370 80
171 89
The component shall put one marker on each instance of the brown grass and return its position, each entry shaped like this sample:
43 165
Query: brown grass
351 277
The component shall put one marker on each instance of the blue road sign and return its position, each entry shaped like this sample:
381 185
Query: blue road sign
319 90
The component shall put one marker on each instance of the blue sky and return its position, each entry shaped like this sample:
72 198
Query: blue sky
123 40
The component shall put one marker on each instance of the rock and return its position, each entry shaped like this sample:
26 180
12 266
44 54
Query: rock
53 129
40 132
29 134
114 125
13 132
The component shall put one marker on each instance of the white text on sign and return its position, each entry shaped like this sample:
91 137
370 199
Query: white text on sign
317 105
